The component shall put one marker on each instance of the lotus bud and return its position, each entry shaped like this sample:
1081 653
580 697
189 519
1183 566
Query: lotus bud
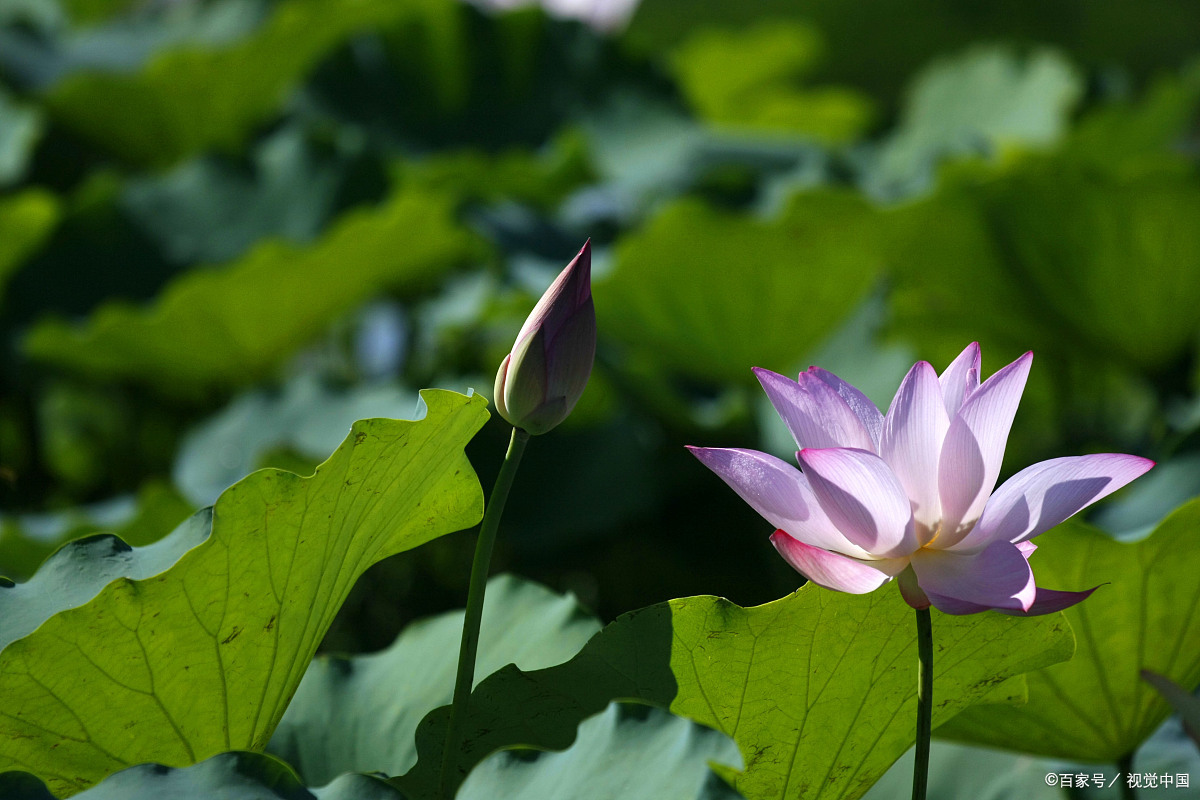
543 377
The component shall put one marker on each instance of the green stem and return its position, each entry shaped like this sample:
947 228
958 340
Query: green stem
924 702
470 635
1124 769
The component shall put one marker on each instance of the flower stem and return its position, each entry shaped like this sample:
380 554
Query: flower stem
467 650
924 702
1124 768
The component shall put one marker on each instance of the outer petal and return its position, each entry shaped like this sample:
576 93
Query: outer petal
912 441
1041 496
960 378
996 577
780 493
815 414
974 447
835 571
1047 602
863 498
859 403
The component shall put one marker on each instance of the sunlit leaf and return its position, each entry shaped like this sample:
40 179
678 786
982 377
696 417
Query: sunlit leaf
359 714
174 666
817 689
227 326
1096 707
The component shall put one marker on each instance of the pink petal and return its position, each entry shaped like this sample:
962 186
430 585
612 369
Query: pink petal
1047 601
996 577
779 492
835 571
911 443
960 378
1050 600
974 447
863 498
815 414
1043 495
858 402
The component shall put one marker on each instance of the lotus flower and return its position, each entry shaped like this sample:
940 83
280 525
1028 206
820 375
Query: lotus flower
544 375
910 495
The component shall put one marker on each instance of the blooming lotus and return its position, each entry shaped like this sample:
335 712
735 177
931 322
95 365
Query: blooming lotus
909 495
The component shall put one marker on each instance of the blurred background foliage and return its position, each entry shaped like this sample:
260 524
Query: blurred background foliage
228 228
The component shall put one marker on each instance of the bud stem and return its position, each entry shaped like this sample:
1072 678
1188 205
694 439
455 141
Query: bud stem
467 650
924 702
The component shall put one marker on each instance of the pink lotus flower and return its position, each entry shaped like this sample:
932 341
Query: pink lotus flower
910 495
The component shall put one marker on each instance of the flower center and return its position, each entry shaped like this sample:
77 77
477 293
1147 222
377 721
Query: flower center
927 535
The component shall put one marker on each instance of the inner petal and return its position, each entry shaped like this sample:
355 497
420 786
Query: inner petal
911 442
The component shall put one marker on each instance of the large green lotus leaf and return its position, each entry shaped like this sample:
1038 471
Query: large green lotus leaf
360 714
1096 707
174 666
191 98
628 751
227 326
712 293
750 81
26 219
228 776
818 689
27 539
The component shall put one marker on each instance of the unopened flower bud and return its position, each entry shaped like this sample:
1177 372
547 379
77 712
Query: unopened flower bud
543 377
